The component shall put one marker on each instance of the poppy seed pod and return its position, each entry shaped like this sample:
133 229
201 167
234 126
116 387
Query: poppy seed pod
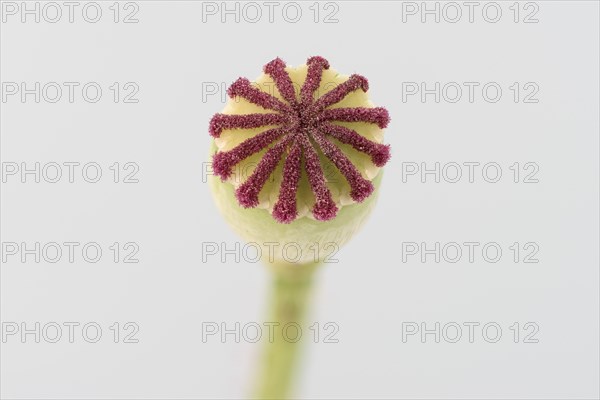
297 158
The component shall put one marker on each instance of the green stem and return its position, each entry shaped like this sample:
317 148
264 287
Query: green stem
290 294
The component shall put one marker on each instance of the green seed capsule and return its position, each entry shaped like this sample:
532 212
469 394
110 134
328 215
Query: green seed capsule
297 158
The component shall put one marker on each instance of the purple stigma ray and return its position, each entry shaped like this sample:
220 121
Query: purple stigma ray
324 208
276 69
338 93
377 115
285 210
220 122
247 192
380 153
243 88
223 162
297 124
316 65
360 187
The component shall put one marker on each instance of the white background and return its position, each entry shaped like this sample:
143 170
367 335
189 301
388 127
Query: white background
173 54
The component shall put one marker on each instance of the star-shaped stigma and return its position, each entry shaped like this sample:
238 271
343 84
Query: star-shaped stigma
303 129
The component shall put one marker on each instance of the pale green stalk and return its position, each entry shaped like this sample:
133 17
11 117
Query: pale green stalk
288 306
